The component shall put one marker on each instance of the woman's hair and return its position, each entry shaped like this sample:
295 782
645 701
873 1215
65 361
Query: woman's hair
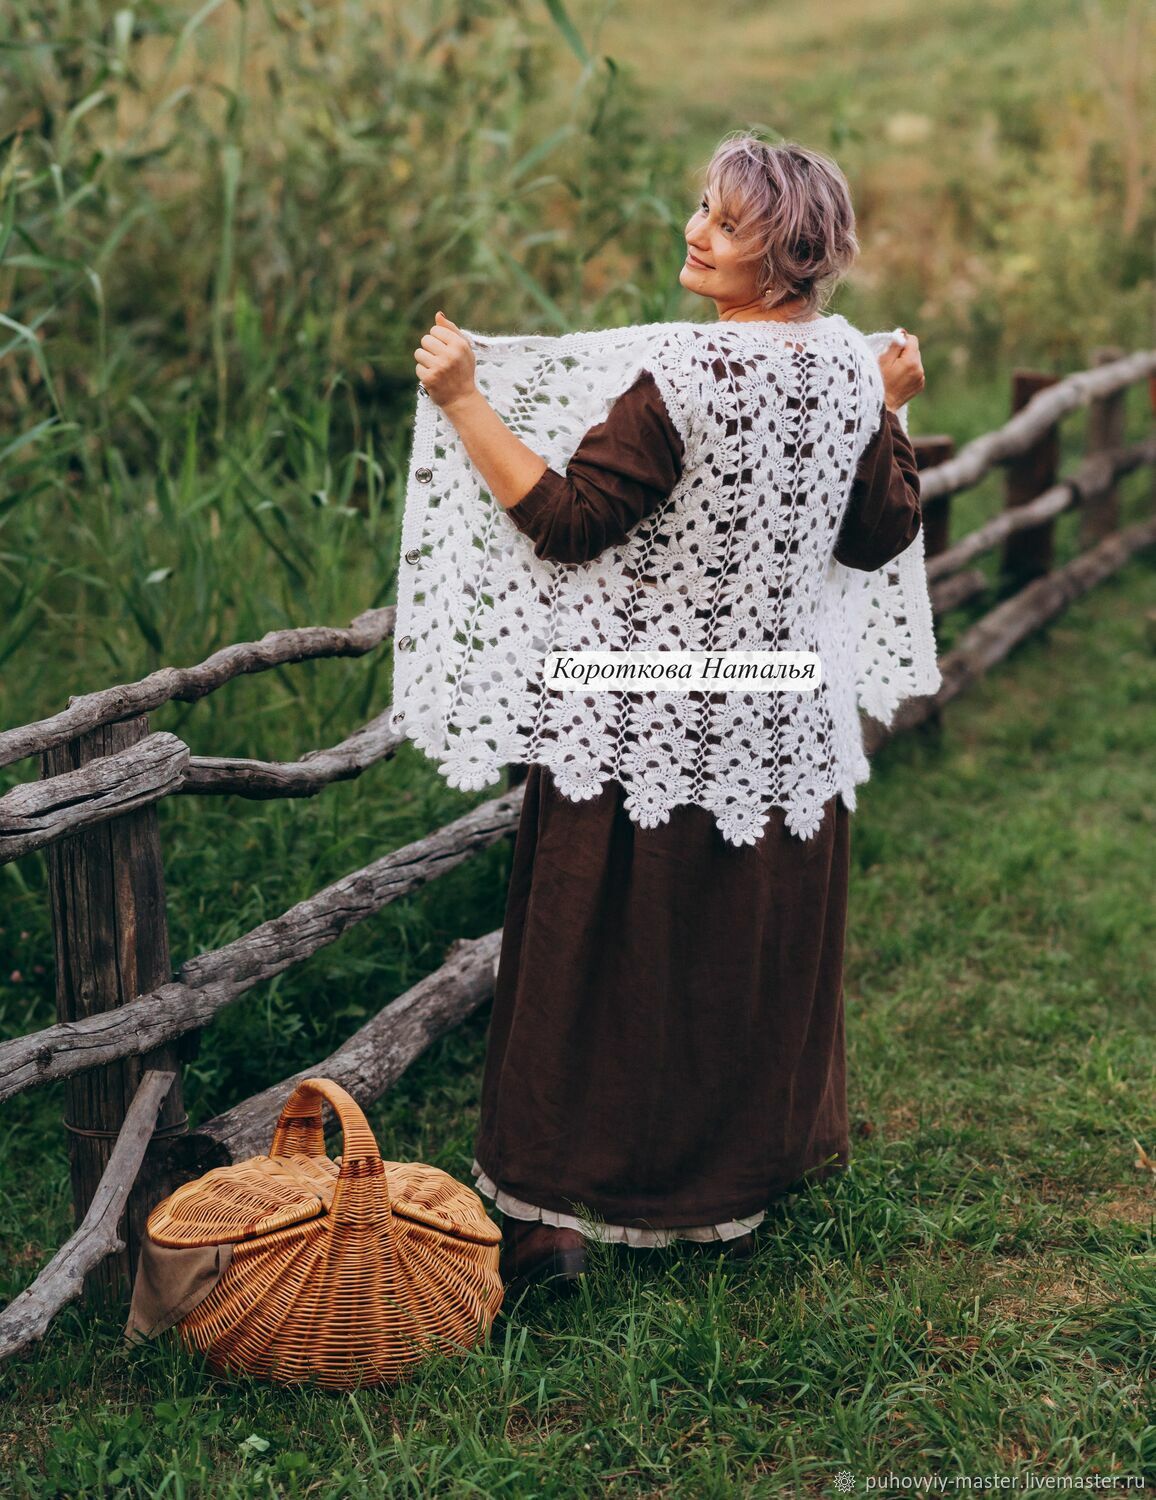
792 212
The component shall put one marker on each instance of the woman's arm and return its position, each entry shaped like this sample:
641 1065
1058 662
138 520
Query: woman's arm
445 366
507 465
622 470
883 513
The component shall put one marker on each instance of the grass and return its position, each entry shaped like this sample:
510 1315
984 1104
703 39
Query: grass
216 270
974 1296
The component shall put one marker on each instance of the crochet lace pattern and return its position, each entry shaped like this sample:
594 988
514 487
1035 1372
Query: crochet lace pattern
774 418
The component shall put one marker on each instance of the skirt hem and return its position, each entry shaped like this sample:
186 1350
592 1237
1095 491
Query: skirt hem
614 1234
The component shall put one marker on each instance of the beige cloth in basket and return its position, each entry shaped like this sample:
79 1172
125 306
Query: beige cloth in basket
172 1280
170 1283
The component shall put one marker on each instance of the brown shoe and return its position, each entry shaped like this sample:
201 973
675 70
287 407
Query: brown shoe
536 1252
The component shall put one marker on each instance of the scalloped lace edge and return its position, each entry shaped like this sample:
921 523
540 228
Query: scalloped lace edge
613 1234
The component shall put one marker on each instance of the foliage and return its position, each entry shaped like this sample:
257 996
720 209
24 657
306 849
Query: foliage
222 230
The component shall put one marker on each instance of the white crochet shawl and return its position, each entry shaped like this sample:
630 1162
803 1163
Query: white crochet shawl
774 418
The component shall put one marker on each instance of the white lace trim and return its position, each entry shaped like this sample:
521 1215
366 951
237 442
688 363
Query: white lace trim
774 418
614 1234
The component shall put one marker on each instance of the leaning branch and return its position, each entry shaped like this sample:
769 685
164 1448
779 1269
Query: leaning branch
208 983
26 1318
366 1065
315 770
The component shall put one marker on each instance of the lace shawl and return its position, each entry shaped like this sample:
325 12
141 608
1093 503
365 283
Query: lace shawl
774 418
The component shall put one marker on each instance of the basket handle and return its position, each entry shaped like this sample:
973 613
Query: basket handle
361 1191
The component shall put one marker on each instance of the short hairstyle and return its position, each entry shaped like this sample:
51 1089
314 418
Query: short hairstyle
791 208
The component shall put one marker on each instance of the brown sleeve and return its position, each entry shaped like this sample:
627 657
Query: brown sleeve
883 514
621 471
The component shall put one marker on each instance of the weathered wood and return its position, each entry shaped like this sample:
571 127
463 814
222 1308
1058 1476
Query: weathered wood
992 638
39 813
1018 434
1045 507
930 452
1076 489
1107 428
956 590
26 1318
1028 552
366 1065
187 684
111 941
315 770
207 984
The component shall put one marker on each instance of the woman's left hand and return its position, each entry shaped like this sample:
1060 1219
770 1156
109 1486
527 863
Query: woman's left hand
445 362
902 371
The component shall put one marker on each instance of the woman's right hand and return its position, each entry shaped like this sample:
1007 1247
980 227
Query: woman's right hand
902 372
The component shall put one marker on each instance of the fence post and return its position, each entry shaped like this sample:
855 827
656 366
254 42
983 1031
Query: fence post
1028 554
1107 419
1152 411
936 513
111 940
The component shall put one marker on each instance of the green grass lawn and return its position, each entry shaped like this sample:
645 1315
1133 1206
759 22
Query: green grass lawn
977 1294
227 232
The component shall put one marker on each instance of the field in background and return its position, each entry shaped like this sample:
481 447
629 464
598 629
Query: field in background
1000 152
225 229
222 237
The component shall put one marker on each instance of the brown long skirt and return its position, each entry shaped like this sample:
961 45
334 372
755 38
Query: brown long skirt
667 1041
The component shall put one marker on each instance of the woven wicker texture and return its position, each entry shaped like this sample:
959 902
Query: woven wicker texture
340 1276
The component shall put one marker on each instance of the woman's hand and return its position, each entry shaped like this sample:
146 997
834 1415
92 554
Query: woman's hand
445 362
902 372
445 367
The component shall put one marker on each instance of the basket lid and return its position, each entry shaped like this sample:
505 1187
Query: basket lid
254 1197
427 1195
265 1194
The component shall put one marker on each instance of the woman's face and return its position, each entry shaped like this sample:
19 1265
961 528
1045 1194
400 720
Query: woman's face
712 267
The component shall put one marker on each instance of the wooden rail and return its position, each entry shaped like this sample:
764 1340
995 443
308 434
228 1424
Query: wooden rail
122 1014
208 983
187 684
26 1318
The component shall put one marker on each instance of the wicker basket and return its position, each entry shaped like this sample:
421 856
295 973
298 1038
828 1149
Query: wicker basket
341 1277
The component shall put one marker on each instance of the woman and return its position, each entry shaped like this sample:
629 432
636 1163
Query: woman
666 1051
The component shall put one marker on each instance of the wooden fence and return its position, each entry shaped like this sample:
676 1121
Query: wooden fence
126 1021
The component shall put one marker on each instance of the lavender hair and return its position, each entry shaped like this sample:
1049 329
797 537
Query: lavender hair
791 208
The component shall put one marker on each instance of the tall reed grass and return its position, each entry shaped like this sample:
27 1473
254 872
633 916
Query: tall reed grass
223 235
